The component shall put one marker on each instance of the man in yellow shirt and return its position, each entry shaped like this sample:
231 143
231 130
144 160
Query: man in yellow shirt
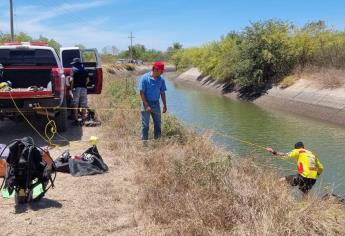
308 166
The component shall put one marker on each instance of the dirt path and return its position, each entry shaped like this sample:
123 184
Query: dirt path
92 205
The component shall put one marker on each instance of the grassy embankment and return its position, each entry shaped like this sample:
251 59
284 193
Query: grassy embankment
188 186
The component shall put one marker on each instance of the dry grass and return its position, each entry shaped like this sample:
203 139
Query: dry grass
119 68
327 78
193 191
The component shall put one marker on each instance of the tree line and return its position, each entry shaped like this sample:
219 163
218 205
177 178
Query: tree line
108 53
265 52
140 52
23 37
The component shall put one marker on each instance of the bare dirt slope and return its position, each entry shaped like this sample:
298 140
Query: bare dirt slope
92 205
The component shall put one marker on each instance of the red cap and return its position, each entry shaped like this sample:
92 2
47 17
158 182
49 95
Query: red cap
158 65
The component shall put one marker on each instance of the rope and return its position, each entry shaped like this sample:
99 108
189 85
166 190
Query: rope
93 109
53 130
27 120
76 108
241 140
48 138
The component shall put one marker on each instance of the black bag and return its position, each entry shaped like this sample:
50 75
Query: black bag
61 163
90 163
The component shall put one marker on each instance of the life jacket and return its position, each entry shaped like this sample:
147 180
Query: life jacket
308 165
27 167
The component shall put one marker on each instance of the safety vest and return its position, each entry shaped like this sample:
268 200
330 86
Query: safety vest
308 165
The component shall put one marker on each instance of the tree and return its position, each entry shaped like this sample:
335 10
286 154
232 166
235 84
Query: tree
138 51
175 47
173 50
114 50
23 37
81 46
105 50
266 53
51 43
54 44
111 50
315 27
5 37
43 39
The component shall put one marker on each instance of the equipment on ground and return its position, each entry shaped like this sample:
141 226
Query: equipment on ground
88 163
28 166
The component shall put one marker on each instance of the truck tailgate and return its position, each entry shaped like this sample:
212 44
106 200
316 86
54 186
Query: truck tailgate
24 94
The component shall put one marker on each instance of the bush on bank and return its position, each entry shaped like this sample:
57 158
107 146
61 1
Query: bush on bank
265 52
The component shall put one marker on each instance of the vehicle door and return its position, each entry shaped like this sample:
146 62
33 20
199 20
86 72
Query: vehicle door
92 64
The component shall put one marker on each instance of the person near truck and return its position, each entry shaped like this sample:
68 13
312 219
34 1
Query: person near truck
80 79
152 87
309 167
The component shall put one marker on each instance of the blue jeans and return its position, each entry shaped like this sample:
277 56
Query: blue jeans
145 120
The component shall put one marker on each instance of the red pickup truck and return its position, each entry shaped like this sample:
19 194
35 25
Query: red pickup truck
37 78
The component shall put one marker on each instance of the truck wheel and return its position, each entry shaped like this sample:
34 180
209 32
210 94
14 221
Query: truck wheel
61 119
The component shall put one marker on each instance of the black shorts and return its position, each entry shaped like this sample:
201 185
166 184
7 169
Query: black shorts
303 183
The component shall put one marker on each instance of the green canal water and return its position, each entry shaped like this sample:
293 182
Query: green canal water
227 118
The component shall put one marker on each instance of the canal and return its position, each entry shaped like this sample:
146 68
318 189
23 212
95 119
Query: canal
231 120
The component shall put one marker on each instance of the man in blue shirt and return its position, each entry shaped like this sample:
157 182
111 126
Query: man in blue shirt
152 87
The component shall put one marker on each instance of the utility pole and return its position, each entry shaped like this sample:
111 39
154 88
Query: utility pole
11 14
131 48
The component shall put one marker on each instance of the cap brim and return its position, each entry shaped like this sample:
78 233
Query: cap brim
157 68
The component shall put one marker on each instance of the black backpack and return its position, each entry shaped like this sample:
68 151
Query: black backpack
26 169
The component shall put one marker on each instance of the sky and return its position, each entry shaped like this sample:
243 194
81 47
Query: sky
157 24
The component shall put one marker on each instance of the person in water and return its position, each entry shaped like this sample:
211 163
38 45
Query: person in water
309 167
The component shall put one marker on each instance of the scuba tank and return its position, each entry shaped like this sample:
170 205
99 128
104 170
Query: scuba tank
26 169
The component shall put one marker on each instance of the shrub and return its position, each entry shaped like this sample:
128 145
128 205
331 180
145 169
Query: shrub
265 52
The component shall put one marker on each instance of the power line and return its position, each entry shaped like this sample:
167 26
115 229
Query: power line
11 16
131 48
